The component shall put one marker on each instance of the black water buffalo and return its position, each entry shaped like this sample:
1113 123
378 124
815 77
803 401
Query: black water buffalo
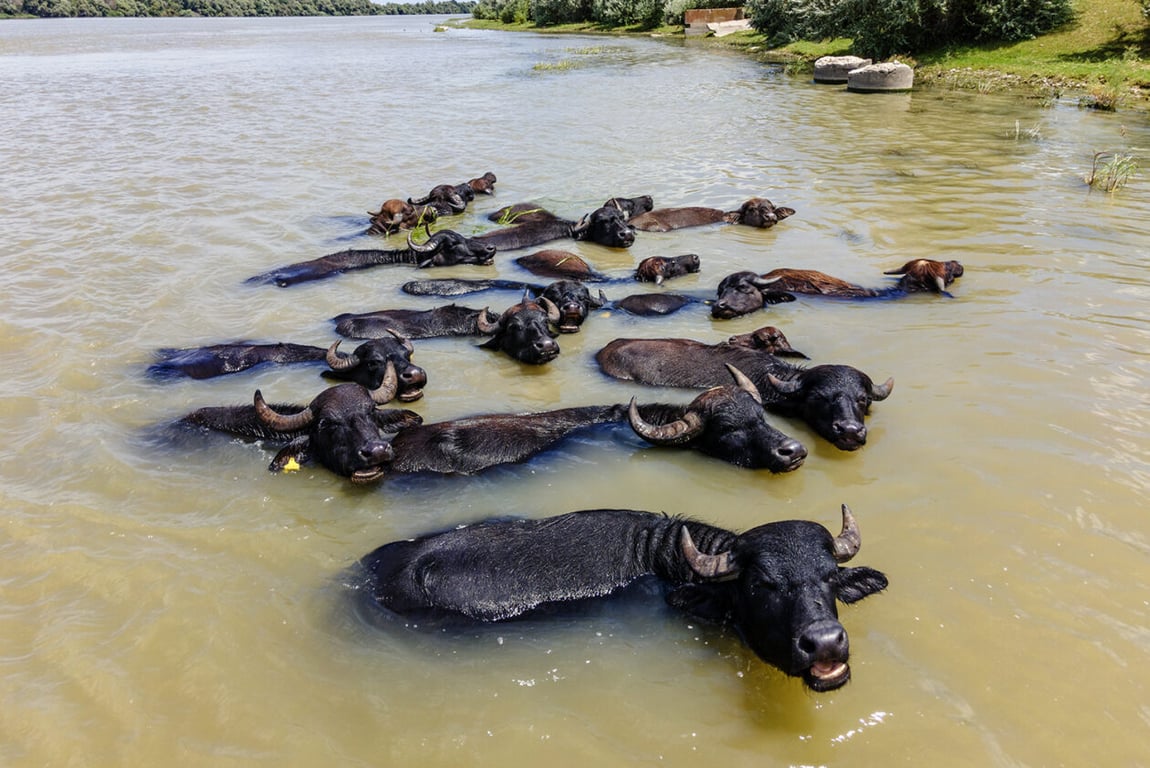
531 225
574 302
342 428
778 584
523 331
444 248
394 215
656 269
449 320
756 212
832 399
447 199
745 292
367 365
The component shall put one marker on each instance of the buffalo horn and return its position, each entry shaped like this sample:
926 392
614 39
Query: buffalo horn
553 314
338 362
707 566
278 421
431 246
882 392
763 282
406 342
940 283
847 543
601 301
665 434
745 384
787 387
387 388
485 325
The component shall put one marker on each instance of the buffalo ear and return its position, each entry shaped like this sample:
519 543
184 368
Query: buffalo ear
709 602
856 583
297 449
395 419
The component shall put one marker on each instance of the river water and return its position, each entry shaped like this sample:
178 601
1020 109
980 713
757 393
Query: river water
178 604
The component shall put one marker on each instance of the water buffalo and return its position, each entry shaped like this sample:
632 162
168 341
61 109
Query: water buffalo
832 399
574 303
745 292
394 215
483 185
523 331
756 212
656 269
777 585
631 206
342 428
559 264
444 248
531 225
449 320
447 199
367 365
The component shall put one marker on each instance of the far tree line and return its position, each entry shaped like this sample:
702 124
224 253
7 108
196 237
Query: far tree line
96 8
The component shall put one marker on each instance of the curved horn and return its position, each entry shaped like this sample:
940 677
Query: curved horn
553 314
940 283
387 388
406 342
763 282
600 301
583 225
666 434
433 244
847 543
745 384
278 421
338 362
882 392
485 325
788 387
707 566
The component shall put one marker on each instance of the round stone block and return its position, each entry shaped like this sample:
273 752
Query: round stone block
875 78
834 69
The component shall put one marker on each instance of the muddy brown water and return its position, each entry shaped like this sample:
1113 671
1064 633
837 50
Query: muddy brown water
178 604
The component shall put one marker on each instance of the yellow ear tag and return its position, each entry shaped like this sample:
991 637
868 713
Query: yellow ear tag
291 466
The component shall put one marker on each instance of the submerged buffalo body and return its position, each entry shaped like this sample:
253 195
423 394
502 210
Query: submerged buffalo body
394 215
342 428
367 365
744 292
450 320
832 399
756 212
530 225
444 248
777 585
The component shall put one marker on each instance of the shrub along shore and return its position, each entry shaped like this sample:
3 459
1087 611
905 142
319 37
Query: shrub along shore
1101 57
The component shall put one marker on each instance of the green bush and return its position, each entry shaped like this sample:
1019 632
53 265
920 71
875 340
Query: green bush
626 13
547 13
883 28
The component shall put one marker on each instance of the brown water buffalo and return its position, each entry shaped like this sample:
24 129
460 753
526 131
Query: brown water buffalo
656 269
558 264
367 365
756 212
832 399
483 185
778 584
343 428
631 206
444 248
394 215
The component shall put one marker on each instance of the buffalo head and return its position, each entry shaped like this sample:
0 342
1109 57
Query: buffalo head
631 206
447 248
483 185
368 365
341 428
766 339
760 212
573 301
656 269
744 292
727 423
927 275
833 399
523 331
779 584
605 226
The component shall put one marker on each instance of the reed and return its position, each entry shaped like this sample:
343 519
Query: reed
1111 170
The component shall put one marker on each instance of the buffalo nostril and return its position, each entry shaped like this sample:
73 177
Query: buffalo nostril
792 449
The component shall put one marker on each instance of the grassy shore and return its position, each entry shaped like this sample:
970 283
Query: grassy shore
1102 56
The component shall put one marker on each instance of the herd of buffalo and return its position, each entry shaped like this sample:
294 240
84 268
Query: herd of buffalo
777 585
